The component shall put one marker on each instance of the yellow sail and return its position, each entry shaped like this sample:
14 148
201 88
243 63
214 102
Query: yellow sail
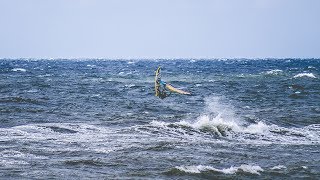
156 81
173 89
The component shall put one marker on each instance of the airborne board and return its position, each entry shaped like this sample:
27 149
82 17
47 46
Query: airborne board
173 89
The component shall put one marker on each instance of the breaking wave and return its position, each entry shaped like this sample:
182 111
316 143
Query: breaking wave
252 169
310 75
220 120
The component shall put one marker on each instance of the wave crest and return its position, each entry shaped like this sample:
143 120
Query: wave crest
310 75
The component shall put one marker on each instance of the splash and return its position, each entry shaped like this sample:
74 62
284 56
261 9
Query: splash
220 117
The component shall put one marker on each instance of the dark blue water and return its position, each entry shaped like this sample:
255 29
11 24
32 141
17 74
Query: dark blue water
99 119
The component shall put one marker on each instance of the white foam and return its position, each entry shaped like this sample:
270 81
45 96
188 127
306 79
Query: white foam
220 119
11 154
159 123
220 116
253 169
90 65
91 138
17 154
259 128
194 169
274 72
19 70
311 67
130 85
279 167
310 75
12 163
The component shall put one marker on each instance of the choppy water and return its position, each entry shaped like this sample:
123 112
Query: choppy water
99 119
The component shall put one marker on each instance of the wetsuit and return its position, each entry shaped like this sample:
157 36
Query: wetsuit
162 90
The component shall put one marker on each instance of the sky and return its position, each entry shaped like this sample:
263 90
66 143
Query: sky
134 29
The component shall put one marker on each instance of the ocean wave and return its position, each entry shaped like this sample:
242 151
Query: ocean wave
71 137
259 133
220 117
310 75
220 120
252 169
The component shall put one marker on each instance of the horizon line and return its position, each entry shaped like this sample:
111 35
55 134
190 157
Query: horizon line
182 58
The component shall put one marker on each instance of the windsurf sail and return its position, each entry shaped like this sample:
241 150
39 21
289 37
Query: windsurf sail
157 81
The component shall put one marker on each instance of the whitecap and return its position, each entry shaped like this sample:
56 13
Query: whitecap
311 67
12 163
220 117
129 85
258 128
19 70
279 167
274 72
310 75
90 65
253 169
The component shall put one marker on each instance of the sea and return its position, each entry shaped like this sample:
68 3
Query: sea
100 119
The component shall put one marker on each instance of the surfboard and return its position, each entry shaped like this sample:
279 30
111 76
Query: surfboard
173 89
